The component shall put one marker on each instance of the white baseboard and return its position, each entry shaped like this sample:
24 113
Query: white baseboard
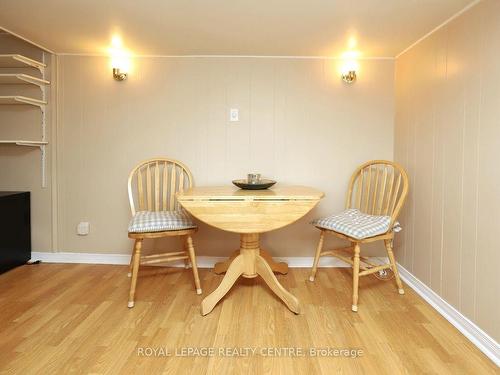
203 261
470 330
476 335
86 258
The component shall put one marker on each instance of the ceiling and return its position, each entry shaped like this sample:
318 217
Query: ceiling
377 28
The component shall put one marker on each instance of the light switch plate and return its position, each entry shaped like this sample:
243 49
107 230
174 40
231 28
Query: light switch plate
83 228
234 114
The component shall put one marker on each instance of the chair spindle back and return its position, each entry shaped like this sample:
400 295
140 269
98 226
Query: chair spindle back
378 187
152 184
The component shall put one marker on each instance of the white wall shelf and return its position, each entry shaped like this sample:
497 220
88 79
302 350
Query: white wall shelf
20 61
21 79
18 99
24 143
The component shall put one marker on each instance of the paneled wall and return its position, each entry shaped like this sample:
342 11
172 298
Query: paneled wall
448 137
299 124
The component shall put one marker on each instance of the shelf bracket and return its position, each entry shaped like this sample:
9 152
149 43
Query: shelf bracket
43 162
44 134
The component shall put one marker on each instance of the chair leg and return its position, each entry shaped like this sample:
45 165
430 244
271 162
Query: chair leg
390 254
131 265
192 257
355 278
184 247
135 270
316 257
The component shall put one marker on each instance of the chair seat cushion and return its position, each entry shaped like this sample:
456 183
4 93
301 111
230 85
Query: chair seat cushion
355 224
159 221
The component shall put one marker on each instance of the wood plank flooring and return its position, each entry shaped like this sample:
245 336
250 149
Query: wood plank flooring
67 318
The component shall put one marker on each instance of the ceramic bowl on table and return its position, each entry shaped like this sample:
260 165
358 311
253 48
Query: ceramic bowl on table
259 185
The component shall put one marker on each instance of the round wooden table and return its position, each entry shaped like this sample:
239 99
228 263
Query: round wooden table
249 213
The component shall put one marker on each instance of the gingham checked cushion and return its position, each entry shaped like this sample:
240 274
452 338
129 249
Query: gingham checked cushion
356 224
157 221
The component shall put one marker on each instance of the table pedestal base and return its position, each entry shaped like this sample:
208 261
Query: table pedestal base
250 262
278 267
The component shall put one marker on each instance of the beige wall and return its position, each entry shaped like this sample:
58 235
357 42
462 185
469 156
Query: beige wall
20 166
448 137
299 124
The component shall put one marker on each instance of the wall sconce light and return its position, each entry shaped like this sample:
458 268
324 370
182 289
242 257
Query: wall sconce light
349 67
120 59
349 76
348 71
119 75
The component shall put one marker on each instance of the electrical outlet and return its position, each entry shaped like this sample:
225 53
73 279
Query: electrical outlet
83 228
234 114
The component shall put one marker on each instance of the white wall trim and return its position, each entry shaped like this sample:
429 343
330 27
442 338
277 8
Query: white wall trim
86 258
292 57
476 335
458 14
203 261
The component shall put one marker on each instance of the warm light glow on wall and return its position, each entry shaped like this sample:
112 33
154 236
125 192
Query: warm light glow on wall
352 43
120 59
349 67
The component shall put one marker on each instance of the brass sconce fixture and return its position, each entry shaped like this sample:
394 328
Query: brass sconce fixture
119 75
120 59
349 76
349 66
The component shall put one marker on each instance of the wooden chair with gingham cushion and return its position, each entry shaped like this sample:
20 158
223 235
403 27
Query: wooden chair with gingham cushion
152 186
377 192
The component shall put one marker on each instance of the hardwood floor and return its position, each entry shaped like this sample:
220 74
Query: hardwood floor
63 318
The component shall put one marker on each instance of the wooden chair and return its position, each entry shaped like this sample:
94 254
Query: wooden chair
154 183
377 188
